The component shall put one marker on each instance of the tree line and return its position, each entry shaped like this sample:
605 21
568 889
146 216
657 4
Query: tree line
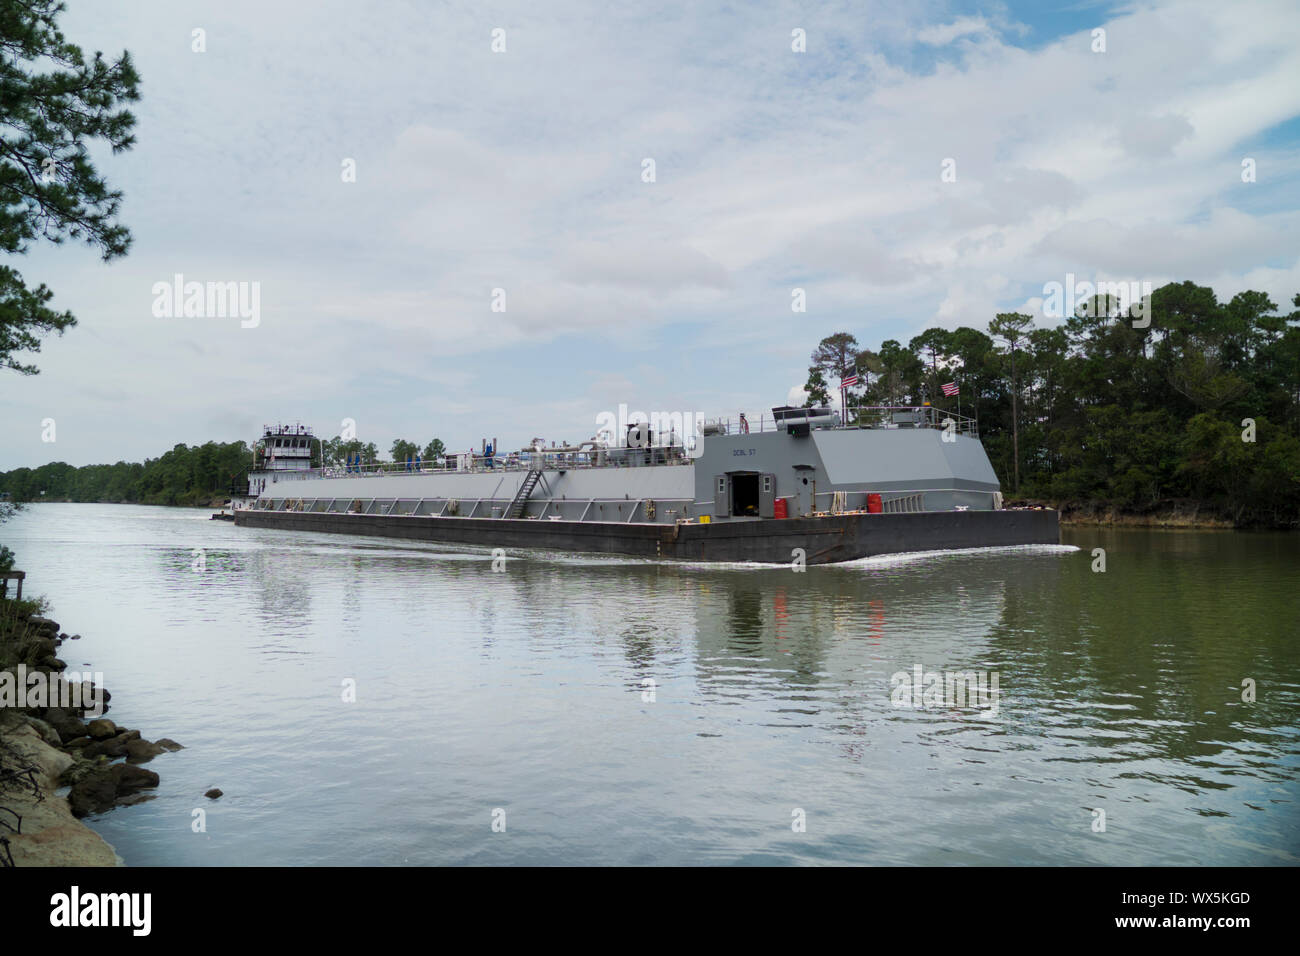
186 475
1201 405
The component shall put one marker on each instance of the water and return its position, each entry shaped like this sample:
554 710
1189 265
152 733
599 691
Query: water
525 690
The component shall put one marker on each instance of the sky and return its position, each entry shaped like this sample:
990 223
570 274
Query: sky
916 164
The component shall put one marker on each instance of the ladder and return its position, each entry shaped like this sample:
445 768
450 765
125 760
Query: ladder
520 502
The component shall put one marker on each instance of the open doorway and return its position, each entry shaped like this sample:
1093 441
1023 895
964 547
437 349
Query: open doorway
744 494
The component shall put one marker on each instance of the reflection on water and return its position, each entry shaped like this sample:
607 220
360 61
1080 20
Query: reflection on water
626 711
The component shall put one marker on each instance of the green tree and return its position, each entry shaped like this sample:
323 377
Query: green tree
975 370
337 452
865 364
931 346
434 450
401 450
816 389
898 367
1011 328
833 355
53 102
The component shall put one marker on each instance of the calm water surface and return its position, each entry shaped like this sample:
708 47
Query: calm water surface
527 689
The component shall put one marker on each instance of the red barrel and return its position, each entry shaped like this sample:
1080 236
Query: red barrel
781 509
874 505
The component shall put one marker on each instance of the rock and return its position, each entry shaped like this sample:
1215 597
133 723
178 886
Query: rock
100 748
90 693
44 646
44 625
27 748
47 733
102 728
80 770
142 751
67 691
166 743
93 793
130 779
213 794
52 663
68 725
75 637
36 648
76 743
58 763
112 747
74 728
51 835
100 789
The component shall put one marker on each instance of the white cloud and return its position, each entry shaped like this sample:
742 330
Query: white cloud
652 266
942 35
1152 137
522 171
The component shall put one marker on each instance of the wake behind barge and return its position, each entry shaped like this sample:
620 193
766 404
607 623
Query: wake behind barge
802 486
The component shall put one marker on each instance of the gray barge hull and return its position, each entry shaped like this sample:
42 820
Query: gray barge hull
823 540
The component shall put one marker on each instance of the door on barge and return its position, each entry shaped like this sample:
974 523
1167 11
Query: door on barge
767 496
744 494
804 487
721 496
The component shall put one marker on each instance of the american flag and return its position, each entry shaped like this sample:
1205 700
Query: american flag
848 381
951 389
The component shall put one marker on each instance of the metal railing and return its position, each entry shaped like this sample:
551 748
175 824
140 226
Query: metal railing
910 416
622 457
860 416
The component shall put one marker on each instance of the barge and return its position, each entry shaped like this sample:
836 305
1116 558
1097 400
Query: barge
803 487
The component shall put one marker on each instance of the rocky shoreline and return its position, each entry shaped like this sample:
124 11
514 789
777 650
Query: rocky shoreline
47 744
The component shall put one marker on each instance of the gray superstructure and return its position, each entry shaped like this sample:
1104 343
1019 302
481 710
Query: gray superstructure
915 459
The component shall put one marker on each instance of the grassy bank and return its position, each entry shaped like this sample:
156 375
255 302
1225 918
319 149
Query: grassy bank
1168 514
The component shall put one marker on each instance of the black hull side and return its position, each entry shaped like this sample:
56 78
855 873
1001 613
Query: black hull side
823 540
